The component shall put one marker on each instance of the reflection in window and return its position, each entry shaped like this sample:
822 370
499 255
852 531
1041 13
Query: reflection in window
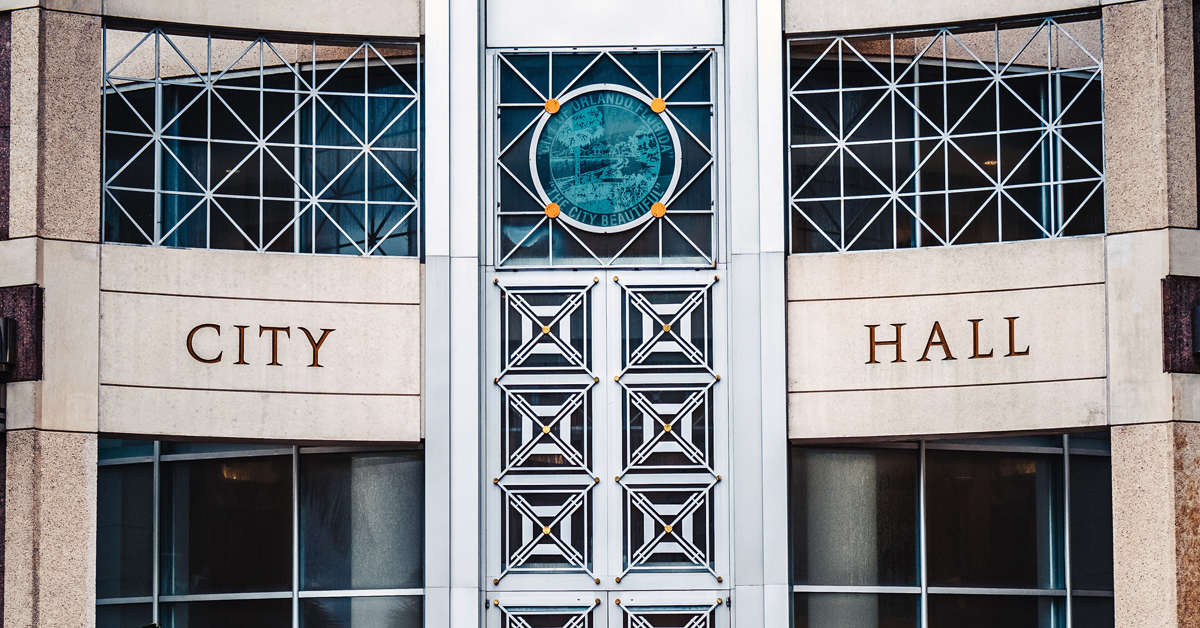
226 553
987 517
261 145
948 136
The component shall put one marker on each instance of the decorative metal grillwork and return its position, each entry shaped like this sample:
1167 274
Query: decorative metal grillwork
948 136
263 145
679 231
667 382
549 616
669 616
546 429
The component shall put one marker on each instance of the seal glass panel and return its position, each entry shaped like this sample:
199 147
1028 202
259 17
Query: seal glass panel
605 158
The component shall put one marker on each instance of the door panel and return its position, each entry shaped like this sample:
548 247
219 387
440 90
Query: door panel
607 433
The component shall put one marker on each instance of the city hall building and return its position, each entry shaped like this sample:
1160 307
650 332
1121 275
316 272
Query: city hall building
608 314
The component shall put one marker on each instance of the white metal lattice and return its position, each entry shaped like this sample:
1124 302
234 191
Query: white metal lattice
948 136
261 145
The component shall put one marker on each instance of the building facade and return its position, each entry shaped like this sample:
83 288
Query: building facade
528 314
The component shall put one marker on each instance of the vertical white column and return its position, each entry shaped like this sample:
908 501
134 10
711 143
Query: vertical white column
465 141
436 100
754 41
772 214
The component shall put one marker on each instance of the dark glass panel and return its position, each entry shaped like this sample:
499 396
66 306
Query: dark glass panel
226 525
123 615
169 447
1091 523
1093 612
992 519
1094 441
227 614
856 610
361 612
995 611
124 530
854 516
114 448
361 521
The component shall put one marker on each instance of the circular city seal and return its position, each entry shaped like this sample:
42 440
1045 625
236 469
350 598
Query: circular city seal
605 158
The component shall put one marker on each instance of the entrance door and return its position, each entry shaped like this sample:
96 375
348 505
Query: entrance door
606 441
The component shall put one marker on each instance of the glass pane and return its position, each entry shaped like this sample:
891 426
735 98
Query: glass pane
996 611
226 525
856 610
218 448
1093 612
362 521
1096 441
114 448
123 616
124 530
854 516
1053 440
994 519
227 614
361 612
1091 523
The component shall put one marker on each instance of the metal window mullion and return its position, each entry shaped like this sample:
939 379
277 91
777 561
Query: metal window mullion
892 105
297 221
366 155
314 208
158 105
155 530
295 537
841 153
208 147
999 167
945 139
1066 501
420 113
924 553
261 185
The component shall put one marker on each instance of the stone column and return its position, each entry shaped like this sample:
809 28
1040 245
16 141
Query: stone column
51 240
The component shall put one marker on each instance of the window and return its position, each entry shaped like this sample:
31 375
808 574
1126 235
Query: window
258 536
605 158
947 136
261 145
999 532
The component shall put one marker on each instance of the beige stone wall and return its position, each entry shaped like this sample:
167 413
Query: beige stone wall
368 384
817 16
1053 288
398 18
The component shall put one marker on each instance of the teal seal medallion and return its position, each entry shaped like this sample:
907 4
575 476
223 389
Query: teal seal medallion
605 158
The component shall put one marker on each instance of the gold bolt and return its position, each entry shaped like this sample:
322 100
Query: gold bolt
597 479
495 380
618 580
667 427
552 106
667 529
552 210
496 602
719 600
666 327
595 379
595 280
545 429
720 579
545 329
495 480
496 280
716 278
658 105
616 278
496 581
545 529
617 479
597 582
658 210
718 478
616 378
618 601
718 377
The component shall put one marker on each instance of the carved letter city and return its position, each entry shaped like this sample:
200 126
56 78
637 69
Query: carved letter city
938 339
315 344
